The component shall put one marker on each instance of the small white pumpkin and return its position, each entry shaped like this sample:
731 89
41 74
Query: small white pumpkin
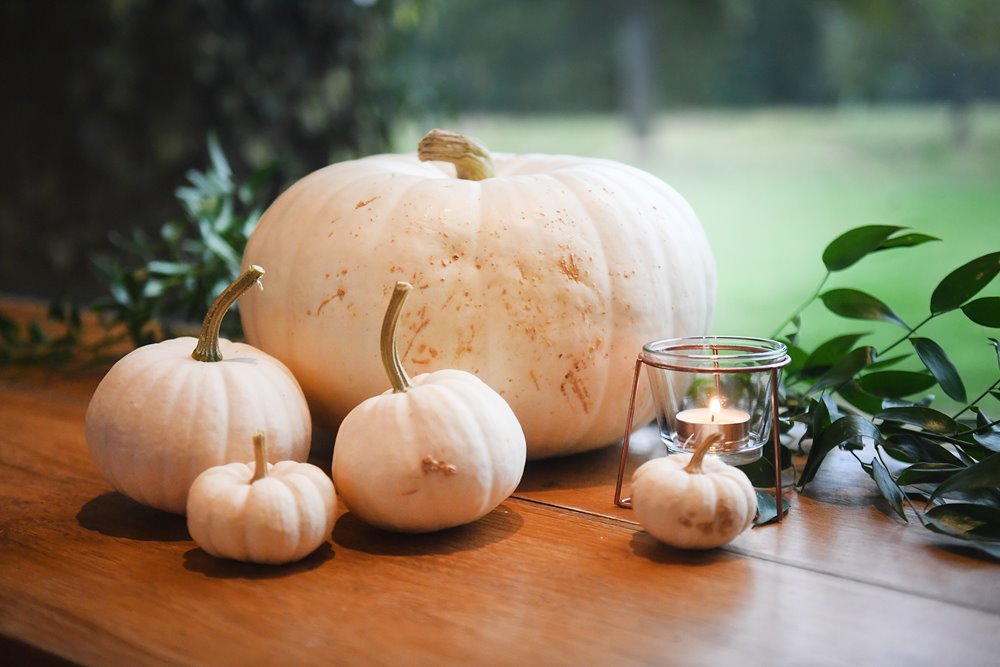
261 513
437 451
689 502
163 413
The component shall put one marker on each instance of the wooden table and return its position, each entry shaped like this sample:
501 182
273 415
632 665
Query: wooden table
555 576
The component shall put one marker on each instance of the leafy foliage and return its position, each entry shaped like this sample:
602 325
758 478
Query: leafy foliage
850 396
156 283
32 344
176 276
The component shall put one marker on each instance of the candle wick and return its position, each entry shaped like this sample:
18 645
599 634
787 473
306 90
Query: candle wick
712 415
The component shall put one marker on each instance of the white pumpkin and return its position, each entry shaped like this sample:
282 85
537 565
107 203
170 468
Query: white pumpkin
690 502
544 279
261 513
437 451
163 414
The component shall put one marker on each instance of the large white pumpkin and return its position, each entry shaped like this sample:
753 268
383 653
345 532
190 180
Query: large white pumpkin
543 279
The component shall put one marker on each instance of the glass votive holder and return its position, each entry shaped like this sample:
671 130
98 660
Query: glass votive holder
715 384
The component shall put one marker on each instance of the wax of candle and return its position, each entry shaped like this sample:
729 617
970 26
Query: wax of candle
699 423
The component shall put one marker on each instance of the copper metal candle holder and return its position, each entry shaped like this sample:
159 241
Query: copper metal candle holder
708 385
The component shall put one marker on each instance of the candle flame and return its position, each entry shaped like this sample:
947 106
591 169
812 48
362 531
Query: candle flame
714 408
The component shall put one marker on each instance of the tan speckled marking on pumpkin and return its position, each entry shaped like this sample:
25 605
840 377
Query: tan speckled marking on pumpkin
723 522
416 331
577 385
465 344
362 204
569 268
430 464
322 304
339 294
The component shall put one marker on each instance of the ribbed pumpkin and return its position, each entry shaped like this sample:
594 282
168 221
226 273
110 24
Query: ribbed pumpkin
163 413
547 275
435 452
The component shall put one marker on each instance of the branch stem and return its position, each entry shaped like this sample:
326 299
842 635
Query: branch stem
390 356
207 348
259 457
694 465
805 304
471 159
976 400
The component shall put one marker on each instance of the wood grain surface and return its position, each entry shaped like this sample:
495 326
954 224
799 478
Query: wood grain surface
555 576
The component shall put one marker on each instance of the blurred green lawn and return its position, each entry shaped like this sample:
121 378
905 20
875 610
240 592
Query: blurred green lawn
773 187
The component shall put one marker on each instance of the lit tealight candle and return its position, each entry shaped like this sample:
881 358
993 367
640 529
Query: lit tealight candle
697 424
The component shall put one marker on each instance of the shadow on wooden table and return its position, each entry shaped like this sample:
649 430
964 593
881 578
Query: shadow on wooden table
198 560
351 532
646 546
117 515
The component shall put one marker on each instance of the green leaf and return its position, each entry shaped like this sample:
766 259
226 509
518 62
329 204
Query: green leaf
859 398
855 244
850 430
218 246
964 283
219 162
896 384
35 333
906 241
844 370
798 357
858 305
940 366
887 487
888 362
986 434
913 448
984 311
164 268
767 508
760 472
830 352
923 473
982 475
991 548
964 520
925 418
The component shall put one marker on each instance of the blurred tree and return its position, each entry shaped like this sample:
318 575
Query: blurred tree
109 102
636 66
881 50
776 54
555 55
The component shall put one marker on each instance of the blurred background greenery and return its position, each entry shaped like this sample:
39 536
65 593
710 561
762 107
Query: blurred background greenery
784 122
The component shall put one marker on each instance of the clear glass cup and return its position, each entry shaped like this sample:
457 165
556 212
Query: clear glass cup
714 384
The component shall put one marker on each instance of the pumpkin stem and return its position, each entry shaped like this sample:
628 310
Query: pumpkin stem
694 465
207 348
259 457
390 357
471 159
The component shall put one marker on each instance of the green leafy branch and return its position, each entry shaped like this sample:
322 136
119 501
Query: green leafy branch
844 395
176 276
156 283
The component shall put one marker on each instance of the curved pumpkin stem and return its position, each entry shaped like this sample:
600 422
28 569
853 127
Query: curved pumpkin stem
694 465
259 457
390 357
471 159
207 348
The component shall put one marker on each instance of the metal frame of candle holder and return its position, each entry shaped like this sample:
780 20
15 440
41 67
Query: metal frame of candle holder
773 368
